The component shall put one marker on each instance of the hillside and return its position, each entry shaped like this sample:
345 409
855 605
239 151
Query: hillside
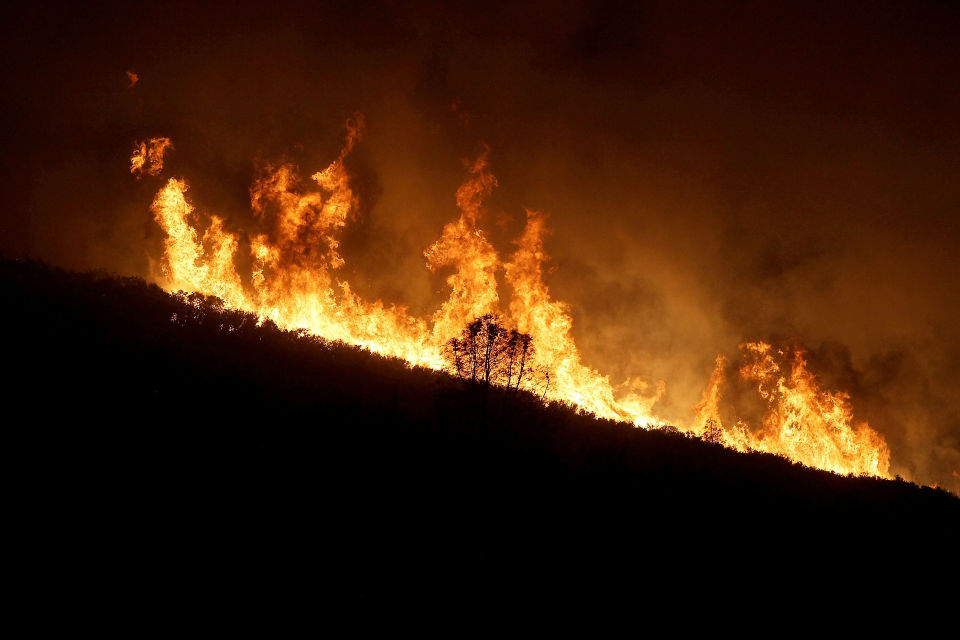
155 433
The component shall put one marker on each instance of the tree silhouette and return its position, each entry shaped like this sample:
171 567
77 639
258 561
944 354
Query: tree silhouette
518 351
712 432
488 353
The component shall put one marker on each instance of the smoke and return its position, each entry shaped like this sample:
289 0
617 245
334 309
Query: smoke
712 175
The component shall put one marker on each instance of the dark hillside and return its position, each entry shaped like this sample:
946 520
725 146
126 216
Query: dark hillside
161 439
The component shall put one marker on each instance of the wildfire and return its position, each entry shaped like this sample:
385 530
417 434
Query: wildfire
147 157
804 422
295 257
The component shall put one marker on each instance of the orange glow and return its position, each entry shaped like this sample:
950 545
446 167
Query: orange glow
147 157
294 282
803 422
550 324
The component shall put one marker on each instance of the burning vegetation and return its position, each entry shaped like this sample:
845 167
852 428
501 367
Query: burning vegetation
521 341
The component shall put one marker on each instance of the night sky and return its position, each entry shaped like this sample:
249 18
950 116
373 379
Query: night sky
714 172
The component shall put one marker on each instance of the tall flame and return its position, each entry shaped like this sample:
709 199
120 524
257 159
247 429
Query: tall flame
550 324
293 282
803 422
462 245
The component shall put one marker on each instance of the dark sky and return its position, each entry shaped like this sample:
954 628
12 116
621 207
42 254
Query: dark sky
714 172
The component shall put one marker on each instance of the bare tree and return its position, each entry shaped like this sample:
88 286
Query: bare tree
517 352
488 353
546 386
457 357
712 432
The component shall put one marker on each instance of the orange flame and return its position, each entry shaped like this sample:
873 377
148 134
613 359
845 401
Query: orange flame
550 324
293 282
803 422
473 286
147 157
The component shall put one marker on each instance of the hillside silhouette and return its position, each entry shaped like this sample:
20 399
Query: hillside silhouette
165 436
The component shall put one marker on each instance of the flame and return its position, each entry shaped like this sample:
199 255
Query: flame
550 324
293 282
132 79
804 422
473 285
147 157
